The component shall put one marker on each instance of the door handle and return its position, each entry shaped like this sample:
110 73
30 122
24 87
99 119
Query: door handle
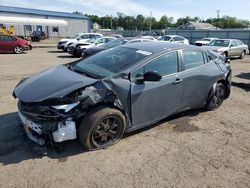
177 81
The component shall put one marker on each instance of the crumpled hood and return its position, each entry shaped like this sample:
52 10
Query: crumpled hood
55 82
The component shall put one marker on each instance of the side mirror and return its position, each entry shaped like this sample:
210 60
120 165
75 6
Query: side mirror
152 76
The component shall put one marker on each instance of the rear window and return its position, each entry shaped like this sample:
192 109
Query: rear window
193 59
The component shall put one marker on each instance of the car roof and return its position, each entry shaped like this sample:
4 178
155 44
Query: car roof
174 35
158 46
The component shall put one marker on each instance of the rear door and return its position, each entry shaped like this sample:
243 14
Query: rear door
152 101
197 75
234 50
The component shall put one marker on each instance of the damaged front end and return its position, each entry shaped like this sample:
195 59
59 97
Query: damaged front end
54 121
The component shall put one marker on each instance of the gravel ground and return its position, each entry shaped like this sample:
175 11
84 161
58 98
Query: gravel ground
193 149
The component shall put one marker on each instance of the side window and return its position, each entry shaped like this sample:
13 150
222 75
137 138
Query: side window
233 43
91 36
239 43
165 65
192 59
179 39
84 37
173 39
5 38
100 41
12 38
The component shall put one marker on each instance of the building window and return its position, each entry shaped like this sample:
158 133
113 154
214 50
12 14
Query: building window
55 29
28 27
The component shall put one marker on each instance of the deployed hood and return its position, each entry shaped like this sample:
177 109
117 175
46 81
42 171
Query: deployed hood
51 83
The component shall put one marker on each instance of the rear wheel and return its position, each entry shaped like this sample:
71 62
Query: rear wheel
18 49
217 97
242 55
102 128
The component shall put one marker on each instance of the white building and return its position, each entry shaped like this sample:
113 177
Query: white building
54 24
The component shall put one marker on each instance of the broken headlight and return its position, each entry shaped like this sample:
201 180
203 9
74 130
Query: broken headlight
66 107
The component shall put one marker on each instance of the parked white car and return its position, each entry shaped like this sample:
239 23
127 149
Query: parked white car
149 37
65 42
204 41
139 40
174 39
77 47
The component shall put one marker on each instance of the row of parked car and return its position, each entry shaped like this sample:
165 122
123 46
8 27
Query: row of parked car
87 44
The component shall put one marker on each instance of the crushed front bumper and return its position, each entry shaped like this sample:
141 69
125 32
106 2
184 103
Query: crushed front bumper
33 130
45 132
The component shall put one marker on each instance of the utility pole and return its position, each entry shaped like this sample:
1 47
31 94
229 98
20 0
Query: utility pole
150 19
218 13
111 22
218 16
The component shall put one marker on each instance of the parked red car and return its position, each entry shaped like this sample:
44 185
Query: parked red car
13 44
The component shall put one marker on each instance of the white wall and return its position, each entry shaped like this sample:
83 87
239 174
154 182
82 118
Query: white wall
74 25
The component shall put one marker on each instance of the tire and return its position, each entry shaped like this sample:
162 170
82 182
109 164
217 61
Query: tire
224 54
242 55
101 128
18 49
217 97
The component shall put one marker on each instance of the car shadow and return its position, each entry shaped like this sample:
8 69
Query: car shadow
15 146
242 85
67 56
56 51
244 75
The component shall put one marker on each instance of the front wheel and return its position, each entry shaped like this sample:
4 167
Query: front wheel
217 97
101 128
18 49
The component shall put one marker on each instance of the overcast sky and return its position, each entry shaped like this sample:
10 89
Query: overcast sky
176 8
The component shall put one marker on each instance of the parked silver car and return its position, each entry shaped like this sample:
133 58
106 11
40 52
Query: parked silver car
175 39
229 47
204 41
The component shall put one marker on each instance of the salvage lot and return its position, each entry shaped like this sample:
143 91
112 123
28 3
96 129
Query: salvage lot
193 149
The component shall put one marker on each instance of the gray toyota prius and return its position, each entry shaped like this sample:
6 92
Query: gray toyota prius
120 90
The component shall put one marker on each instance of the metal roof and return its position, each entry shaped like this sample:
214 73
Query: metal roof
8 9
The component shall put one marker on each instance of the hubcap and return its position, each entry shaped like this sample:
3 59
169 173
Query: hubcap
106 132
18 49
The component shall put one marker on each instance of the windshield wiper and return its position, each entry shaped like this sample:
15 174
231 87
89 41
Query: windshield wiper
86 73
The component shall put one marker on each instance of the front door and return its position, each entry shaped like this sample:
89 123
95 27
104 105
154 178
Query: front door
152 101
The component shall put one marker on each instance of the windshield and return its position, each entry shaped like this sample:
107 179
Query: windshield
92 40
111 61
74 37
222 43
166 38
114 43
